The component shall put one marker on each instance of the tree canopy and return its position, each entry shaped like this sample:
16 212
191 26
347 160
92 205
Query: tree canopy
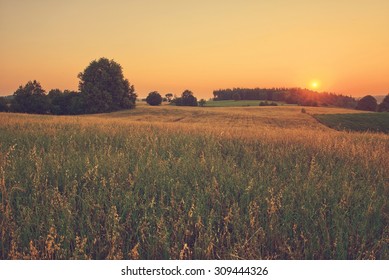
187 99
154 98
30 98
3 104
169 97
367 103
66 102
384 106
104 88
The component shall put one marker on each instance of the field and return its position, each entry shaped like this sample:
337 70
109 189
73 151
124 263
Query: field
192 183
374 122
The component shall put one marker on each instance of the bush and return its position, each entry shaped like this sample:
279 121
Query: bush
154 98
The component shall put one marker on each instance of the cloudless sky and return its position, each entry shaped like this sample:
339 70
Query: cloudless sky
201 45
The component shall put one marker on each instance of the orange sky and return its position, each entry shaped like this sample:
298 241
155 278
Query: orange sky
172 45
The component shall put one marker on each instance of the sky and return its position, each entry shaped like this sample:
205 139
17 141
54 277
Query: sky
167 46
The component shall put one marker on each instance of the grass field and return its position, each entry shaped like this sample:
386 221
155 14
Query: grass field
374 122
192 183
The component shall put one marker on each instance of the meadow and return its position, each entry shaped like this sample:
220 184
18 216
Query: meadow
192 183
236 103
374 122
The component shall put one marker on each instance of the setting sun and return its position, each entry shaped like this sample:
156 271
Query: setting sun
314 84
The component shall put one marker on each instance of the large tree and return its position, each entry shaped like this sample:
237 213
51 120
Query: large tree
31 98
367 103
104 88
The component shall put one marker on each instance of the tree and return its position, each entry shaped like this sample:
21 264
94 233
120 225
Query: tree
367 103
202 102
30 99
169 97
186 99
61 102
384 106
104 88
154 98
3 104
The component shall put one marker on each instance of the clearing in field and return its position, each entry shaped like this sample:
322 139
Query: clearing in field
192 183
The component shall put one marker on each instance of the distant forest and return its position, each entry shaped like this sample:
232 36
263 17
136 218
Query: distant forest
304 97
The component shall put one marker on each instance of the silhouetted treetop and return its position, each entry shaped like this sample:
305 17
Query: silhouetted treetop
186 99
384 106
104 87
30 98
154 98
367 103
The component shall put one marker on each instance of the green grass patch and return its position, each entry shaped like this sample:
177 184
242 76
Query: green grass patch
373 122
239 103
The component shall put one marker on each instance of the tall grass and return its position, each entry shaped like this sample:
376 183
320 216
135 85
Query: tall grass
91 188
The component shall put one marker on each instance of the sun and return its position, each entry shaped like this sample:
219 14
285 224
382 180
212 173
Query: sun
315 84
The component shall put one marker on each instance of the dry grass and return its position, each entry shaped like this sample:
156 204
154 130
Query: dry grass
183 183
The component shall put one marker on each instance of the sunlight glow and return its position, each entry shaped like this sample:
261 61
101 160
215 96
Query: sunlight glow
314 84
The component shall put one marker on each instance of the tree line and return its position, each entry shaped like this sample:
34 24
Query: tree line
369 103
186 99
102 88
304 97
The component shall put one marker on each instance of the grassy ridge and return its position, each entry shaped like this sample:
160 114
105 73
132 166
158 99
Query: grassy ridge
374 122
112 189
